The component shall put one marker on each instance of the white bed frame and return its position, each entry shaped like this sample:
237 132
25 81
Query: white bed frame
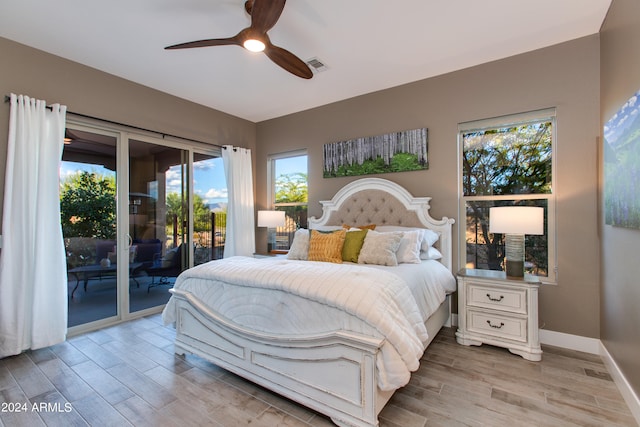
334 374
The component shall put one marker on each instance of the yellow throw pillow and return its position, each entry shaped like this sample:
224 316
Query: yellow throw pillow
326 246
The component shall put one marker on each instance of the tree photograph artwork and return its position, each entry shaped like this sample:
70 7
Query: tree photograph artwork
622 166
392 152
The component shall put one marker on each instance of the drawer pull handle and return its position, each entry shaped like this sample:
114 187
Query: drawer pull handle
495 299
495 326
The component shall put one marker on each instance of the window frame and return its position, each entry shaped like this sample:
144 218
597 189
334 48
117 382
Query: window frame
271 172
519 119
272 178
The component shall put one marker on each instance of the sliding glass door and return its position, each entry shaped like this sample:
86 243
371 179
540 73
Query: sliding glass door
158 220
136 211
209 207
88 209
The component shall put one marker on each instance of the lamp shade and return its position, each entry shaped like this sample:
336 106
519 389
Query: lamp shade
271 219
516 220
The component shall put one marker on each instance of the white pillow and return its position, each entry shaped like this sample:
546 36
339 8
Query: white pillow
431 253
380 248
300 246
429 238
409 250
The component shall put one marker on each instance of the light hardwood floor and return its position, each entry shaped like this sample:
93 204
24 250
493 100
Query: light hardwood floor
128 375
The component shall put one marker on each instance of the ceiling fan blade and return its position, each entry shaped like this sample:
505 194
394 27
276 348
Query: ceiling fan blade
288 61
206 43
265 14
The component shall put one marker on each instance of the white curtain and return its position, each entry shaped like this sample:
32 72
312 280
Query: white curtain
33 277
240 239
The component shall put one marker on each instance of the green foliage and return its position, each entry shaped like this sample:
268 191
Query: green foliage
201 212
405 162
506 161
292 188
400 162
88 205
174 205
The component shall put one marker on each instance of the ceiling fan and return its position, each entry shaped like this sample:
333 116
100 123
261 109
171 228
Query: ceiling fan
264 15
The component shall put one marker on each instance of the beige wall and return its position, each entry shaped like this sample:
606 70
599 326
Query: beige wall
565 76
91 92
620 78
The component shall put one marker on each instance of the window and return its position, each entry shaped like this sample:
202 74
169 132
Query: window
507 161
288 192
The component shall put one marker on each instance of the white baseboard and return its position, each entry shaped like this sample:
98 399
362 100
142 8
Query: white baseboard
454 319
571 342
595 346
633 402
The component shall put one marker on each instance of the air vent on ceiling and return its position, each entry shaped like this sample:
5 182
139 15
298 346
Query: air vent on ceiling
316 65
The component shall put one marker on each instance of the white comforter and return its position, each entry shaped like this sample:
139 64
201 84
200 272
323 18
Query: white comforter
282 296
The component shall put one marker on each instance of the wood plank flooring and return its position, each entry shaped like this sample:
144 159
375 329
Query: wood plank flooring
128 375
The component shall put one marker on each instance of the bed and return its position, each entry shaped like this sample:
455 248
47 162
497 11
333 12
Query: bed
339 338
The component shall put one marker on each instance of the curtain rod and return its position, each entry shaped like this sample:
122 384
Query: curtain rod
7 98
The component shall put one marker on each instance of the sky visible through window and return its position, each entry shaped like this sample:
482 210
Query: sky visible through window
209 180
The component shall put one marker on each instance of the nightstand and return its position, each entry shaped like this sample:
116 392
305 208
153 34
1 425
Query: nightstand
499 310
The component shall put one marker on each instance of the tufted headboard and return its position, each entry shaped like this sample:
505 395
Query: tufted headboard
383 202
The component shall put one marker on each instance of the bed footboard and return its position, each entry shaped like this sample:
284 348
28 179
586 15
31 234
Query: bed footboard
334 374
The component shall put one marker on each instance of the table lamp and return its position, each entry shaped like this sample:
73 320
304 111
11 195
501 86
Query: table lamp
515 222
271 220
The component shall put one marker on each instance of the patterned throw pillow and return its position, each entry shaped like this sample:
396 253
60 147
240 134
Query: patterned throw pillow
352 244
326 246
380 248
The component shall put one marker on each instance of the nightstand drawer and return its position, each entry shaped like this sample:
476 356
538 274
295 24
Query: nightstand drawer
511 300
511 328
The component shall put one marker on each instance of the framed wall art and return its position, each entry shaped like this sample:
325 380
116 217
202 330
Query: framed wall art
622 165
391 152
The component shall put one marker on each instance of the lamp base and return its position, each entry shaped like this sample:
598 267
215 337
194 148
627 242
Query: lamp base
271 239
515 268
514 254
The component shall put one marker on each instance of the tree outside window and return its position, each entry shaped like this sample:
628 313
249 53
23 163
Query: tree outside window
288 179
508 161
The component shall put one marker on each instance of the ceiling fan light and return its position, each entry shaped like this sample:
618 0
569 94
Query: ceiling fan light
254 45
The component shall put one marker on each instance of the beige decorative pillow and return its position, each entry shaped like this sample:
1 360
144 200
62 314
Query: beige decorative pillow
326 246
380 248
429 237
300 247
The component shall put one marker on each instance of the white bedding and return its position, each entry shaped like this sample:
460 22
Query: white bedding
288 297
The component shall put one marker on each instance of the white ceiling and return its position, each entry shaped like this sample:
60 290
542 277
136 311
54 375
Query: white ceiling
368 45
